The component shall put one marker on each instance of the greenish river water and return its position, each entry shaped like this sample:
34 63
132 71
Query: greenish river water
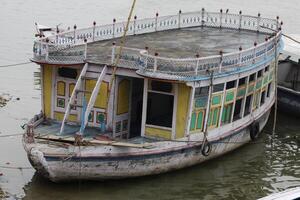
250 172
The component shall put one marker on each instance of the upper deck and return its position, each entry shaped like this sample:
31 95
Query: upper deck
179 43
176 47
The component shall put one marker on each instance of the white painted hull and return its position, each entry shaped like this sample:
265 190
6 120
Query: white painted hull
93 164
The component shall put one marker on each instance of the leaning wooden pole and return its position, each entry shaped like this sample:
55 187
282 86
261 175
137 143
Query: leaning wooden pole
116 61
211 85
275 85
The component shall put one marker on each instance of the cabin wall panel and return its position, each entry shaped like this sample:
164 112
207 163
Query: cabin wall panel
182 109
47 90
158 132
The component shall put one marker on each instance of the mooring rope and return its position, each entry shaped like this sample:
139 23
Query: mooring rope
15 64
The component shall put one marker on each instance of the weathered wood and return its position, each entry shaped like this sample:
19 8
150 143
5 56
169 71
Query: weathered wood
93 142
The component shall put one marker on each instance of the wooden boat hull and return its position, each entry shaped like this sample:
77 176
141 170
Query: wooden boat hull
288 100
91 166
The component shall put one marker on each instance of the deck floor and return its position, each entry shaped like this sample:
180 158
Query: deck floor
180 43
53 128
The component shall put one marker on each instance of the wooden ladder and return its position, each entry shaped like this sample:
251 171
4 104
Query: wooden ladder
77 89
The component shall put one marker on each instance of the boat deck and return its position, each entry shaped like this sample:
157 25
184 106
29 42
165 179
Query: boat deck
179 43
52 128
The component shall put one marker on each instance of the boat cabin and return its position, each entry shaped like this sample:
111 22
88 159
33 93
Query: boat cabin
171 78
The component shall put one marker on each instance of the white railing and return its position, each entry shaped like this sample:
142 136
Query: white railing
70 47
173 68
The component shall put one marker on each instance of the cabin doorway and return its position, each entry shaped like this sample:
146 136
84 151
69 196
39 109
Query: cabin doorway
136 107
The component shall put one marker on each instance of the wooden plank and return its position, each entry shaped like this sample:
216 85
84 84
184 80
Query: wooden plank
94 142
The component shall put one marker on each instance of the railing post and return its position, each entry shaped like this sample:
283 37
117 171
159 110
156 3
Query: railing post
146 61
156 19
94 27
258 22
277 23
266 47
134 24
240 56
85 48
254 57
202 17
221 61
155 62
113 51
75 27
240 20
221 17
47 50
179 19
57 31
197 64
114 26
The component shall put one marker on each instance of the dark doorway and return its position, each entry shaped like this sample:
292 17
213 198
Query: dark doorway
136 107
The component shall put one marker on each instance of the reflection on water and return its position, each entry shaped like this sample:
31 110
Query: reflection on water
250 172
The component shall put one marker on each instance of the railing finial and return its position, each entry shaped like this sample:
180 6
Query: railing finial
75 27
240 48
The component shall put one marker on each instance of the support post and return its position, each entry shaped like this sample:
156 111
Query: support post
275 85
240 20
202 17
221 61
179 19
189 117
207 115
156 20
114 27
155 62
240 56
113 52
221 17
254 53
94 27
75 27
258 22
144 113
197 64
134 24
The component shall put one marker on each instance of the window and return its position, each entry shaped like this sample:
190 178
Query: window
161 86
237 110
242 81
267 68
248 105
218 87
160 109
202 91
230 85
262 98
252 77
259 73
67 72
269 90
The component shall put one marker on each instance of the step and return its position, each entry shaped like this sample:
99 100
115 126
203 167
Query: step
83 91
88 78
76 105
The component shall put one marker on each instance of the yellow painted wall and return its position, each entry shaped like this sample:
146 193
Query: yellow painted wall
101 101
157 132
182 109
47 89
123 97
60 116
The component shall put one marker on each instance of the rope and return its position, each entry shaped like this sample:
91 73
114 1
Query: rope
14 167
11 135
119 52
16 64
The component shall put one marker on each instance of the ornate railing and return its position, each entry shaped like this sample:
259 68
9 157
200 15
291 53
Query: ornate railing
191 68
71 47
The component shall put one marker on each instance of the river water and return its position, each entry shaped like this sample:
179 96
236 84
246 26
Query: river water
250 172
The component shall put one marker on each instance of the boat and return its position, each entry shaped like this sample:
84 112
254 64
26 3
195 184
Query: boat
292 193
149 96
289 83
